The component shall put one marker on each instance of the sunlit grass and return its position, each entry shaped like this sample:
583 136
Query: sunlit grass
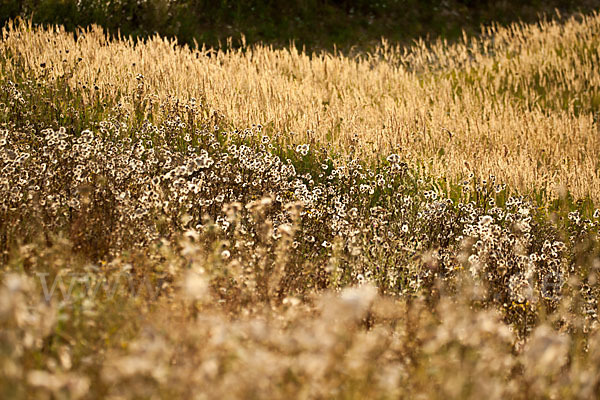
240 224
522 96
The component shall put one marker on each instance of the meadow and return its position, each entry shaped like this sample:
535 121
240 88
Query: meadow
261 222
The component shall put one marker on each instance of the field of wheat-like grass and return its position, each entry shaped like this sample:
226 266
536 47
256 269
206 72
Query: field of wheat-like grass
519 102
259 223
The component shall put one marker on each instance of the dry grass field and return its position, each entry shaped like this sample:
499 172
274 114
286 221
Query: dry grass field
520 102
258 223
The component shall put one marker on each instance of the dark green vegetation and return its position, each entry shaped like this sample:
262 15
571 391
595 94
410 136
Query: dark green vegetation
312 23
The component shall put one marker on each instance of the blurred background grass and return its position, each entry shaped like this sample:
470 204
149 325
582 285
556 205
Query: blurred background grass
314 24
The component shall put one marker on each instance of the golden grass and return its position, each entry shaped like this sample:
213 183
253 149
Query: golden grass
194 262
519 102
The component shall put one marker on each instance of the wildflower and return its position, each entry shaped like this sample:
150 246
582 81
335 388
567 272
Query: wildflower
485 220
196 285
393 158
303 149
